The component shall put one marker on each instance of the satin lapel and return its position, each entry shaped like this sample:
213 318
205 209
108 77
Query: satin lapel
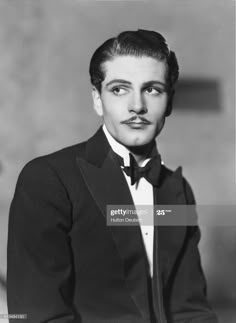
106 183
170 192
108 186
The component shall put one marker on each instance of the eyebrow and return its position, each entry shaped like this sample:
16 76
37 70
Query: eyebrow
146 84
118 81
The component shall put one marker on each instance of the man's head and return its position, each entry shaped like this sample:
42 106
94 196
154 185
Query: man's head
133 78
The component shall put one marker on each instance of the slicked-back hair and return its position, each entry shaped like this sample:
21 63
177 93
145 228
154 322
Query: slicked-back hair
138 43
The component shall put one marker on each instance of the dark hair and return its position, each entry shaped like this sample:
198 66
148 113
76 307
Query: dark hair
134 43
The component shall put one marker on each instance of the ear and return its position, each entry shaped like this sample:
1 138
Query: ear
170 103
97 102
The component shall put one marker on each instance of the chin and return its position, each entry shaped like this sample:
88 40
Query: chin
137 142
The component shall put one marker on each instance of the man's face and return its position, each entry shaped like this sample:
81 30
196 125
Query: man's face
133 99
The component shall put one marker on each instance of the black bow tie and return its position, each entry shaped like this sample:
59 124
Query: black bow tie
150 171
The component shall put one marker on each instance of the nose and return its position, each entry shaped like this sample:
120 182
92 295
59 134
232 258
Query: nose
137 104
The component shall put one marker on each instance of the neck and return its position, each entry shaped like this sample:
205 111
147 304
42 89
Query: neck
141 153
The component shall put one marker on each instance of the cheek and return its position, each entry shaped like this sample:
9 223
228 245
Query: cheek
158 115
114 110
112 116
157 109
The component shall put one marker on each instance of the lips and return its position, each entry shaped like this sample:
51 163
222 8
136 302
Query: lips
137 125
137 122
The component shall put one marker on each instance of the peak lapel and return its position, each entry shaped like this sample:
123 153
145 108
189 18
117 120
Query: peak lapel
167 239
171 192
170 189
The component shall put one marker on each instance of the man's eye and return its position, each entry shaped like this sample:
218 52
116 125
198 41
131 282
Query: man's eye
118 91
152 90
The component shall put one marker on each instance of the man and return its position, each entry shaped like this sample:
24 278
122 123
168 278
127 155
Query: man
65 264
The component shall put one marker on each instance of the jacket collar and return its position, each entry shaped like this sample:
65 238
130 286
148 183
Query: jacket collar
97 148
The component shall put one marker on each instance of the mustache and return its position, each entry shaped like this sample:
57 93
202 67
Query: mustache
136 118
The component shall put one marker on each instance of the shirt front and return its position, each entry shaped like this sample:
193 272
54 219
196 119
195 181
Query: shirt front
142 194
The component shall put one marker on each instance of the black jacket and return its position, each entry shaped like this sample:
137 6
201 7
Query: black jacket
66 265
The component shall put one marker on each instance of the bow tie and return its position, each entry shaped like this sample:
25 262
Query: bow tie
150 171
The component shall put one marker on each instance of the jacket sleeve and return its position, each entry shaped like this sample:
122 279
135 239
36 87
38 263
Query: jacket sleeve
40 271
187 285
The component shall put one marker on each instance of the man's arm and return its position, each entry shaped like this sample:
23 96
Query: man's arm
40 273
188 300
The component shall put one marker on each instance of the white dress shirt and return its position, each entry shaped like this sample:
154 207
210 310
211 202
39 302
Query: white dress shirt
141 192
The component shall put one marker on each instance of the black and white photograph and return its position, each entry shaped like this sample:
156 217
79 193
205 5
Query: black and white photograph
117 164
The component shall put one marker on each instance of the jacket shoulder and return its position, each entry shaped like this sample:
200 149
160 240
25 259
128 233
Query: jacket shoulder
58 162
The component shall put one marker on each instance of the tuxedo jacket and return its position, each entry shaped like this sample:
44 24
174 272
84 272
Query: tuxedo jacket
65 264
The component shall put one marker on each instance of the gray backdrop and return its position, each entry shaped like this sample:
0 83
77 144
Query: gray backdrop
45 101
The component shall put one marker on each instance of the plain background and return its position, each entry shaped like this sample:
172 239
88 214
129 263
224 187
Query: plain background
45 102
